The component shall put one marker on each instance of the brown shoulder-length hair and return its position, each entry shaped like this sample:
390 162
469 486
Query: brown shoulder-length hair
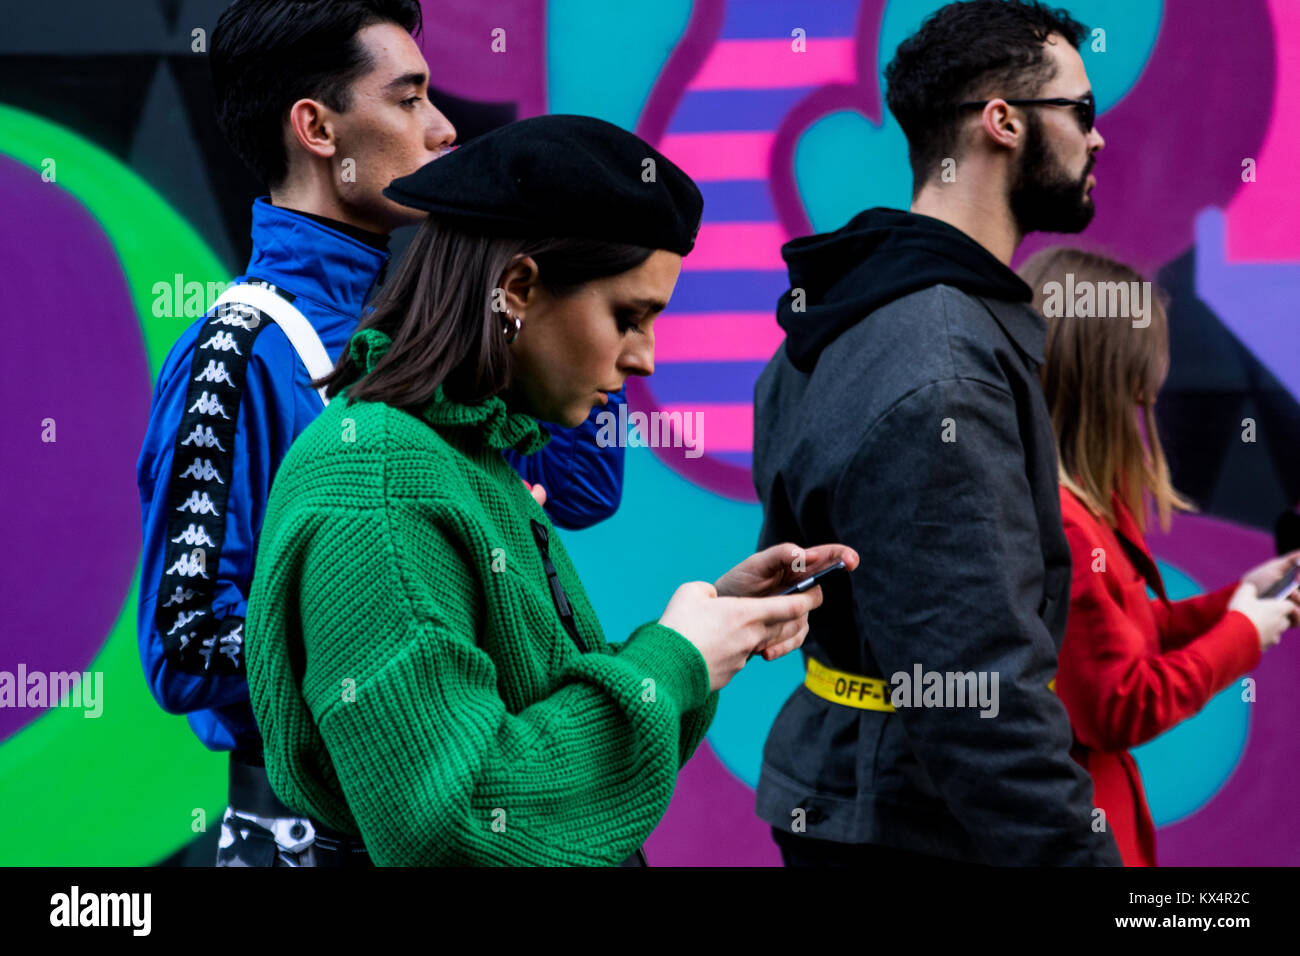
1093 374
439 312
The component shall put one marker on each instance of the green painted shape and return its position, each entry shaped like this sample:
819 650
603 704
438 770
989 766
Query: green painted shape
602 62
120 789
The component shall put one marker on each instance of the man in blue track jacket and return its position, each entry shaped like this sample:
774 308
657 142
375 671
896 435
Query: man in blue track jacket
232 395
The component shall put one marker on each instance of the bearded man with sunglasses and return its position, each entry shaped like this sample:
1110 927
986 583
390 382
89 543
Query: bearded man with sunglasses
912 344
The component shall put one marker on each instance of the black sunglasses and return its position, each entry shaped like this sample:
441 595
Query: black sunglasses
1085 110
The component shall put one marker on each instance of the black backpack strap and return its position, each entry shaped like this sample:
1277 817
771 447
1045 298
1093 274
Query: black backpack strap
199 487
562 606
565 610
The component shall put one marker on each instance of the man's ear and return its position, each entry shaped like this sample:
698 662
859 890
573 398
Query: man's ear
311 126
1001 125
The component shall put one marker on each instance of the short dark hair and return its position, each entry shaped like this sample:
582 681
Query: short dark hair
968 51
268 54
438 312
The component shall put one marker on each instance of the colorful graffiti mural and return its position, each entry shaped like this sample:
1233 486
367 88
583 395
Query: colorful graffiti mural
114 177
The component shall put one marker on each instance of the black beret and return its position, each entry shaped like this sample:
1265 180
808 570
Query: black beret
559 175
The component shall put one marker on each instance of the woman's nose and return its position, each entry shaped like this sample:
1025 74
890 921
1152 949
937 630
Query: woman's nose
640 358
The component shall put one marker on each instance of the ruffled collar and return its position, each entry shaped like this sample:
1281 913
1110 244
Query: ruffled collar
498 427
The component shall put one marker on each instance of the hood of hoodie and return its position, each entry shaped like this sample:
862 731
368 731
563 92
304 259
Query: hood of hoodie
880 255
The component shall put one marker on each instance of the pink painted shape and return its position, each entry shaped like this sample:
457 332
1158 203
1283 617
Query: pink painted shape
717 336
773 64
1262 216
711 820
738 245
710 157
726 426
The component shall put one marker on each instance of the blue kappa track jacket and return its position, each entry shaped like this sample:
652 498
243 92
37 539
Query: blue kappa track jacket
259 393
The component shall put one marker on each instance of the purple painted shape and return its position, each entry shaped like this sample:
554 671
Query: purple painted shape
711 820
1255 300
701 33
1252 820
865 96
457 43
70 509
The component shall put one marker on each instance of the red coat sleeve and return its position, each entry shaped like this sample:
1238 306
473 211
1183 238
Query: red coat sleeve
1118 685
1183 620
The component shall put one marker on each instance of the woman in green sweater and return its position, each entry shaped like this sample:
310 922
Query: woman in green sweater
428 674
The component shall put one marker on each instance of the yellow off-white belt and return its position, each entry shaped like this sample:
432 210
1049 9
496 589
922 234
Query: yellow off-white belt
851 690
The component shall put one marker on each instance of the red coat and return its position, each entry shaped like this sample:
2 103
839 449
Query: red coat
1131 667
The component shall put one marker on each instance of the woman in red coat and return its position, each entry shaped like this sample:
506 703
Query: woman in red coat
1130 667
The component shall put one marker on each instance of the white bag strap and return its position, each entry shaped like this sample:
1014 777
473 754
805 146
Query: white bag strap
293 323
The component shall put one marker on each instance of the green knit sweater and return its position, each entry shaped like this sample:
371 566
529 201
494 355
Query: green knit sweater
409 670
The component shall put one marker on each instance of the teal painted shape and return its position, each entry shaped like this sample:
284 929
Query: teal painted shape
666 532
845 163
1185 766
603 62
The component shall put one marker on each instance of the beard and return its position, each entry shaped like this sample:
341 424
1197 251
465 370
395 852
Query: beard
1044 197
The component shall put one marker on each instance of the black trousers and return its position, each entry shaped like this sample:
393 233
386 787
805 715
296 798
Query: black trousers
799 850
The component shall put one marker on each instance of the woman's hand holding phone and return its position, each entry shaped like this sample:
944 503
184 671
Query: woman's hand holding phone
1270 615
764 576
728 630
772 570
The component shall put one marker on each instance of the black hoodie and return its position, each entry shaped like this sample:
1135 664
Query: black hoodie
879 256
904 417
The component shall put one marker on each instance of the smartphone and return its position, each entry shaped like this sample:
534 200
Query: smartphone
1284 585
811 582
815 580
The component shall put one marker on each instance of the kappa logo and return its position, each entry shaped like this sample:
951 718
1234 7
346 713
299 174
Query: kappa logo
222 342
208 405
180 595
230 646
194 534
203 437
215 372
202 470
237 313
187 566
184 619
199 504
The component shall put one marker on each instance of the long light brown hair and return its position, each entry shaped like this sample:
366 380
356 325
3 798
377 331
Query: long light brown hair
1098 372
